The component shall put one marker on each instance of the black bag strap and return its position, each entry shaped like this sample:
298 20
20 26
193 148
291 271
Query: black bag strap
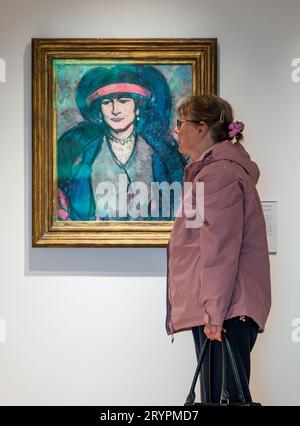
224 398
235 370
226 350
191 396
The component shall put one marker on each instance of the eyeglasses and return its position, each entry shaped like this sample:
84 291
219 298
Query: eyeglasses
179 122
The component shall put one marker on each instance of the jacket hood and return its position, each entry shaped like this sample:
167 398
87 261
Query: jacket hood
226 150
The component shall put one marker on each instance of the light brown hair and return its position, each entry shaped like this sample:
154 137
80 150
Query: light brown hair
213 110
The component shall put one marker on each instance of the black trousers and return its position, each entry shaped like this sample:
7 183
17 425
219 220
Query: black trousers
242 336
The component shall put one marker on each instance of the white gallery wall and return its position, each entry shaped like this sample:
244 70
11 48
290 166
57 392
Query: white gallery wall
87 326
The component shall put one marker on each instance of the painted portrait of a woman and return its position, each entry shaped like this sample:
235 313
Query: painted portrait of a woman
124 132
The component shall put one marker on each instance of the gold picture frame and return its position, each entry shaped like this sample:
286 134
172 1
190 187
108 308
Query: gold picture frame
50 55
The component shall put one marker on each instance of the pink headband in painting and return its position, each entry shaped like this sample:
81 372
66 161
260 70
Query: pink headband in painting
119 88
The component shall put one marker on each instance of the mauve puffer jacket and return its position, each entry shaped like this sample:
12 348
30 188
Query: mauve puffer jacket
221 269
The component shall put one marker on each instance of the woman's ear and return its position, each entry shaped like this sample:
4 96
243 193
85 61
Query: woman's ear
203 127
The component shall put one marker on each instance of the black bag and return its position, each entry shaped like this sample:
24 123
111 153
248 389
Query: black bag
224 398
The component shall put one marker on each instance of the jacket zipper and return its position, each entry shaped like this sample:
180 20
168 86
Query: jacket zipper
169 325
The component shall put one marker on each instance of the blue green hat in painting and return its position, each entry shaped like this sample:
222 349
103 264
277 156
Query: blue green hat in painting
144 83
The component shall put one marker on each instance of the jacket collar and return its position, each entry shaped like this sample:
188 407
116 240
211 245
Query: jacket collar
224 150
205 158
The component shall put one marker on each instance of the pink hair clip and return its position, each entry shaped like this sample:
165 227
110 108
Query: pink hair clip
235 127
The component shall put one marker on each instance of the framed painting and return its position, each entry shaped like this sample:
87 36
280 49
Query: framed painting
106 167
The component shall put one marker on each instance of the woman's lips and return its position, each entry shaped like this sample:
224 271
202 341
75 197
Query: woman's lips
117 119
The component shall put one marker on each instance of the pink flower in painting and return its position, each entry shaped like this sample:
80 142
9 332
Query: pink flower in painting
63 206
62 214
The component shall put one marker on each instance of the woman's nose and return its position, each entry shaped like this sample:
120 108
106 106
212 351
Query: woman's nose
116 106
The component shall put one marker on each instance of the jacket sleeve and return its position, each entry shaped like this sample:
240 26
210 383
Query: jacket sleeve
220 240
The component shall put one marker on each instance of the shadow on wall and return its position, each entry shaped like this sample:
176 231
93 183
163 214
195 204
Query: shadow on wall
77 261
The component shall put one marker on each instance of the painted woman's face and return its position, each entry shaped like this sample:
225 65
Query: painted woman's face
118 112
